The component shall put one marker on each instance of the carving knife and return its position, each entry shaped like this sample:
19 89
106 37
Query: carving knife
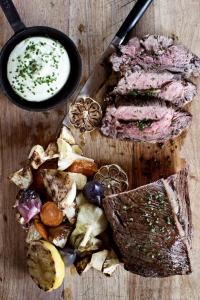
102 69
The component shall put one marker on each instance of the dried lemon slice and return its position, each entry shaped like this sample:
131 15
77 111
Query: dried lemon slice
113 178
85 114
45 265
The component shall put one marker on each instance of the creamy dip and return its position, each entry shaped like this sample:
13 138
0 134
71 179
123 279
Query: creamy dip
38 68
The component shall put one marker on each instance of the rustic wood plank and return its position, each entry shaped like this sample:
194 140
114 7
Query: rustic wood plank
92 24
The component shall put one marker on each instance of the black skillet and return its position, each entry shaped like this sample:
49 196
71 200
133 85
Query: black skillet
21 33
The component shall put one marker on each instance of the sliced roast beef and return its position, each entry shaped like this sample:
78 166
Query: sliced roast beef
178 183
148 227
156 53
163 85
151 121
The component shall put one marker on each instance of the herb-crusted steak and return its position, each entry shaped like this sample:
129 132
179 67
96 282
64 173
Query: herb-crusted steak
149 227
156 53
150 121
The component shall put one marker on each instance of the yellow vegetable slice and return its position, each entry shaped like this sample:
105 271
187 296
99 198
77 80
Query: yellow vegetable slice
45 265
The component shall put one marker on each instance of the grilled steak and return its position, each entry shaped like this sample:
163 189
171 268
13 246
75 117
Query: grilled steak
152 121
149 227
163 85
156 53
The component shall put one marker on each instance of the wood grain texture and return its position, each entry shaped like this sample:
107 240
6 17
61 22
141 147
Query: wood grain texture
92 24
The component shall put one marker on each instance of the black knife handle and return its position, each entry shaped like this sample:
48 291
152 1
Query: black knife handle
134 16
12 15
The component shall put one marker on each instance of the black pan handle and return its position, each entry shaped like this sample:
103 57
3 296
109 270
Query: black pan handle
134 16
12 15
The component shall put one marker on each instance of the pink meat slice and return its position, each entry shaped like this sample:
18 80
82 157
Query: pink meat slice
163 85
156 53
166 122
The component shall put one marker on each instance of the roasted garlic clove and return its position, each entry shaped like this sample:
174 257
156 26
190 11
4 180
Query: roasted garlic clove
85 114
113 178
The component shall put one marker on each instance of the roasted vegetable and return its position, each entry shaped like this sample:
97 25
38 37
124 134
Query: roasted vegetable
56 183
59 235
32 235
50 214
68 205
40 227
22 178
38 156
66 135
91 222
45 265
111 263
28 204
81 264
67 155
87 168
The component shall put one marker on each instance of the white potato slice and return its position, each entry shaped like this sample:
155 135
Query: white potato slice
22 178
66 135
80 199
52 151
67 156
68 205
111 263
37 156
98 259
79 179
33 234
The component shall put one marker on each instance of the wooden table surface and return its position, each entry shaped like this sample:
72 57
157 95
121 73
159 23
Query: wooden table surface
91 24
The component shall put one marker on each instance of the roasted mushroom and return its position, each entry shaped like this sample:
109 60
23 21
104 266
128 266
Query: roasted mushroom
113 178
85 114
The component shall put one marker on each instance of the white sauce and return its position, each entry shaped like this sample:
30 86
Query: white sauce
38 68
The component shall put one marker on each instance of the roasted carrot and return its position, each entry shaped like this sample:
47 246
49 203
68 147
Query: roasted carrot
40 227
50 214
84 167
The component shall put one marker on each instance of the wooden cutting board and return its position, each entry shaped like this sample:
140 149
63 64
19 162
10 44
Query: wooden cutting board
92 25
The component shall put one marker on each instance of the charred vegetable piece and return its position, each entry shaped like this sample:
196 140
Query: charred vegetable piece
45 265
22 178
32 235
82 264
59 235
51 215
28 204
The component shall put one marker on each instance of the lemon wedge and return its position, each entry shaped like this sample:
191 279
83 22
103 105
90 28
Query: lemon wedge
45 265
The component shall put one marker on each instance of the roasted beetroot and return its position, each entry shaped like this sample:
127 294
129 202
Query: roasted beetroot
28 204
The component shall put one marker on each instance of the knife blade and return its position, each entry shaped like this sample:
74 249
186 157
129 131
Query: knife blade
102 69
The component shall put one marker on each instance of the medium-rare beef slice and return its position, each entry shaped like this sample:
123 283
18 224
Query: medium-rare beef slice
179 185
156 52
147 232
162 85
151 121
